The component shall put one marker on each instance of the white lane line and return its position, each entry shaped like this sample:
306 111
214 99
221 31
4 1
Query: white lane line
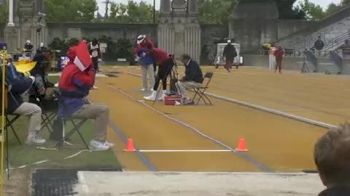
273 111
160 151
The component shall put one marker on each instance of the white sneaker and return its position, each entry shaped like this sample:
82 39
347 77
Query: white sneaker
94 87
34 138
98 146
162 96
111 145
152 97
56 84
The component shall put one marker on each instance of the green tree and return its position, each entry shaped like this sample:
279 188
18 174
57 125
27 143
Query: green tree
332 8
312 11
132 12
287 10
215 11
3 12
70 10
345 2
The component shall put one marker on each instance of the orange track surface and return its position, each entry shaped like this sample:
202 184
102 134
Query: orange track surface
277 143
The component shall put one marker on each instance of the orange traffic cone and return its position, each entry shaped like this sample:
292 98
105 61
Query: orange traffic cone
130 146
242 146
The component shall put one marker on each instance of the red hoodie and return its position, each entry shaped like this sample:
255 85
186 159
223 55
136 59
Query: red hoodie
160 55
147 43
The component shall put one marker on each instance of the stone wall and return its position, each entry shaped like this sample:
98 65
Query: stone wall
2 28
288 27
96 30
333 31
211 34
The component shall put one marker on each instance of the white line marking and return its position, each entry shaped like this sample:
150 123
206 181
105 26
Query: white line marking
22 166
75 154
40 162
184 151
273 111
44 148
84 186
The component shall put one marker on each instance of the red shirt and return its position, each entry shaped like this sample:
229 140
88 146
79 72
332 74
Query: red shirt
160 55
147 43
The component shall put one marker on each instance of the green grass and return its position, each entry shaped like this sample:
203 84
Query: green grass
20 155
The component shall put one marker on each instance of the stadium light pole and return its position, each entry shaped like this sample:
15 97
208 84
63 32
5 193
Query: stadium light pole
10 23
154 11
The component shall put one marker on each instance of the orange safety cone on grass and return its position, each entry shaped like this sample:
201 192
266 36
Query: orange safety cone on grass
130 146
242 146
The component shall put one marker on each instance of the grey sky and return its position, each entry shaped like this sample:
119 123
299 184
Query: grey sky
323 3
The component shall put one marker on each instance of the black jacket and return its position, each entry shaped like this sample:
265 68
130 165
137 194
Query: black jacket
230 51
18 87
193 72
336 191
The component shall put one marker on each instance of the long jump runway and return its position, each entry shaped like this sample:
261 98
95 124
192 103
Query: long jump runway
203 138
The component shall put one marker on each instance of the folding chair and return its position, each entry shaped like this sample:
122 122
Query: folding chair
76 123
199 91
49 109
64 136
9 123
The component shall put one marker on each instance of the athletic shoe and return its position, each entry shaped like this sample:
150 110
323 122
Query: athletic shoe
151 97
98 146
111 145
34 138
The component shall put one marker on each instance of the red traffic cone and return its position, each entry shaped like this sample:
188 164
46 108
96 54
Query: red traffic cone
130 146
242 146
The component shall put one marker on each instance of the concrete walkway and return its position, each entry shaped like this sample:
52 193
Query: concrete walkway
201 184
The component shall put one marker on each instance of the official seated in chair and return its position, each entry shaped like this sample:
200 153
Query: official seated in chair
18 85
75 83
43 89
193 76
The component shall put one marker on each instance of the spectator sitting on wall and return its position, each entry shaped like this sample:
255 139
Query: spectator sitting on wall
332 158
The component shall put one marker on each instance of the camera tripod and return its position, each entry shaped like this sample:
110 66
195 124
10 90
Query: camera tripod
173 85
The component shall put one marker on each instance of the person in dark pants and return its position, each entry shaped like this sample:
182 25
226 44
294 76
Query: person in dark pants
165 64
229 54
332 158
94 50
279 53
95 53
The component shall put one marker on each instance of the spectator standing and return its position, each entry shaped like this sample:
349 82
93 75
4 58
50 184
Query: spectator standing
229 54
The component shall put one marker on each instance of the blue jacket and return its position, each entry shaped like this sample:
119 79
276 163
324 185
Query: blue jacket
193 72
18 85
145 57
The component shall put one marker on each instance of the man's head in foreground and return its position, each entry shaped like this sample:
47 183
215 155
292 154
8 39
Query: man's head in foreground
332 156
